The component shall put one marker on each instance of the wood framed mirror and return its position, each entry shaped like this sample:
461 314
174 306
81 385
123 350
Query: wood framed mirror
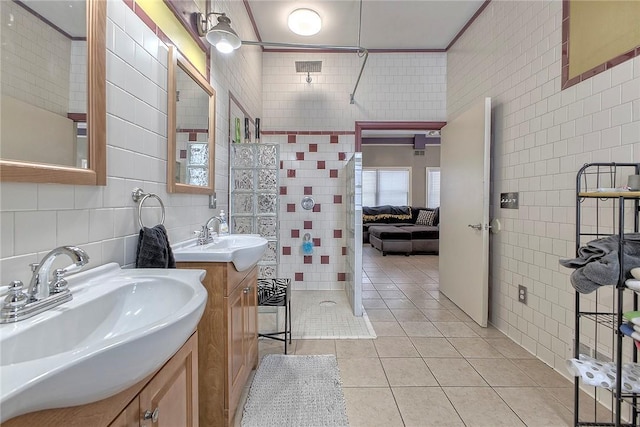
63 143
191 129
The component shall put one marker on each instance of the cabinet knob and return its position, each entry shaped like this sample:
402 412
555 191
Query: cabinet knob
247 289
153 416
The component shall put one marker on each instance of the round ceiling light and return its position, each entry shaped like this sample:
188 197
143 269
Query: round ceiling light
305 22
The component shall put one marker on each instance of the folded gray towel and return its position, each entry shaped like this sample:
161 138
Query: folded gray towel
154 250
597 263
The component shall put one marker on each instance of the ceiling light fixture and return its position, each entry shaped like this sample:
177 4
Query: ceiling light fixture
304 22
222 36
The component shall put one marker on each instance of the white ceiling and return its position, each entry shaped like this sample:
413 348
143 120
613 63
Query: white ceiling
386 24
68 15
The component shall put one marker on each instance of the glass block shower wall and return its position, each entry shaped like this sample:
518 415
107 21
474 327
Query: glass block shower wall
253 204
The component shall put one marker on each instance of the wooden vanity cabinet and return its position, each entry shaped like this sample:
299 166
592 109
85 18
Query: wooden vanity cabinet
173 391
228 346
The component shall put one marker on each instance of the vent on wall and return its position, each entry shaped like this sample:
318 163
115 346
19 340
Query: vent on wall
418 153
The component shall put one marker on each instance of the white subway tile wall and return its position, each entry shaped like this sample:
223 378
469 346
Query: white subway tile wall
26 72
35 218
394 86
398 86
542 136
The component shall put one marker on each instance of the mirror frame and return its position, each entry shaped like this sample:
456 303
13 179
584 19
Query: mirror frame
176 60
22 171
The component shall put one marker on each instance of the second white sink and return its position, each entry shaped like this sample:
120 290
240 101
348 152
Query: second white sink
243 250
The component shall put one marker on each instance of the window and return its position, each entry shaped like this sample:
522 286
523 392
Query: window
386 186
433 187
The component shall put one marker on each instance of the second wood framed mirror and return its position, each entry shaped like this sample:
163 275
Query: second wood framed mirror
191 129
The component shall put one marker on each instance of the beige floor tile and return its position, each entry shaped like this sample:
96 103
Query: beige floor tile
434 347
408 315
373 303
386 287
509 348
534 408
315 347
355 348
590 410
481 407
395 347
399 303
501 372
425 407
380 315
388 329
420 329
461 315
455 329
409 287
418 295
429 304
362 372
543 374
372 407
488 332
391 294
475 348
370 295
408 372
442 315
454 373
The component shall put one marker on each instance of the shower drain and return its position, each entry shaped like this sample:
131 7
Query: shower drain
327 303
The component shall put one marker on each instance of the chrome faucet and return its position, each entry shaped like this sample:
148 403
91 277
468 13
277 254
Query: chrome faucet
40 287
42 293
205 235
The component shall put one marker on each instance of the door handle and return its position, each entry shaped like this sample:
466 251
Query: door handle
475 226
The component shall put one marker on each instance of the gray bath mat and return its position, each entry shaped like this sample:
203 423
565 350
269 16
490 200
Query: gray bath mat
296 391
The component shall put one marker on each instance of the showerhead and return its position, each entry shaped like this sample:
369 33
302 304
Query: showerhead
308 67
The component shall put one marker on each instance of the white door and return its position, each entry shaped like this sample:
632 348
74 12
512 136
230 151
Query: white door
464 210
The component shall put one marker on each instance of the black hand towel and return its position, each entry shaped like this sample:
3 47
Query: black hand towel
154 250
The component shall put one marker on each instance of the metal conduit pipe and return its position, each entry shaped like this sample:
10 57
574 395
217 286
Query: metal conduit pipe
357 49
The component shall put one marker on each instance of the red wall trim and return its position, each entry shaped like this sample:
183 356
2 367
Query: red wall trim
360 126
77 117
307 132
468 24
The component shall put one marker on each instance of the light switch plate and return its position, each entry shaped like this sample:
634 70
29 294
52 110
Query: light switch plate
212 201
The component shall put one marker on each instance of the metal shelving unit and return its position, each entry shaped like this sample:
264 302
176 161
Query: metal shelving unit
615 213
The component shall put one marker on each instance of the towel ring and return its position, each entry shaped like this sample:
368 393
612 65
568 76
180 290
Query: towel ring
138 195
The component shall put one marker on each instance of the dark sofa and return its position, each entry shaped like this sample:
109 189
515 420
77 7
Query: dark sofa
393 229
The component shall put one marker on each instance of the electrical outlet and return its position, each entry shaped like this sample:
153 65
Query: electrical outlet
522 294
212 201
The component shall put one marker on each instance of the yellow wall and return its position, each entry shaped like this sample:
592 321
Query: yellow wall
164 18
600 31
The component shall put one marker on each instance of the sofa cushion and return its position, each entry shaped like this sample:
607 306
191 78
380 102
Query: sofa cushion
426 217
423 232
386 214
390 232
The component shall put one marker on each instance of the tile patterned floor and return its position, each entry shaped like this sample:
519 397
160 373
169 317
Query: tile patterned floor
431 365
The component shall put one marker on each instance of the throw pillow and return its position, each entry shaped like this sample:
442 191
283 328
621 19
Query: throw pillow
426 217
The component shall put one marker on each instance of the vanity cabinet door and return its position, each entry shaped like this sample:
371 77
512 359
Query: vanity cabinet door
171 398
251 321
236 341
130 416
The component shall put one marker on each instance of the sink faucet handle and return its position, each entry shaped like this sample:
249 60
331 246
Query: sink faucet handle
15 298
59 284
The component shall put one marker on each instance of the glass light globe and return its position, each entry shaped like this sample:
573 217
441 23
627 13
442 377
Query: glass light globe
305 22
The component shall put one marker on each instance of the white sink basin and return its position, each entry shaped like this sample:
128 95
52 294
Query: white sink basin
243 250
121 326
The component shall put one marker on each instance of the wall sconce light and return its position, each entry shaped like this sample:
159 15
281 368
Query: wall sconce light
222 36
